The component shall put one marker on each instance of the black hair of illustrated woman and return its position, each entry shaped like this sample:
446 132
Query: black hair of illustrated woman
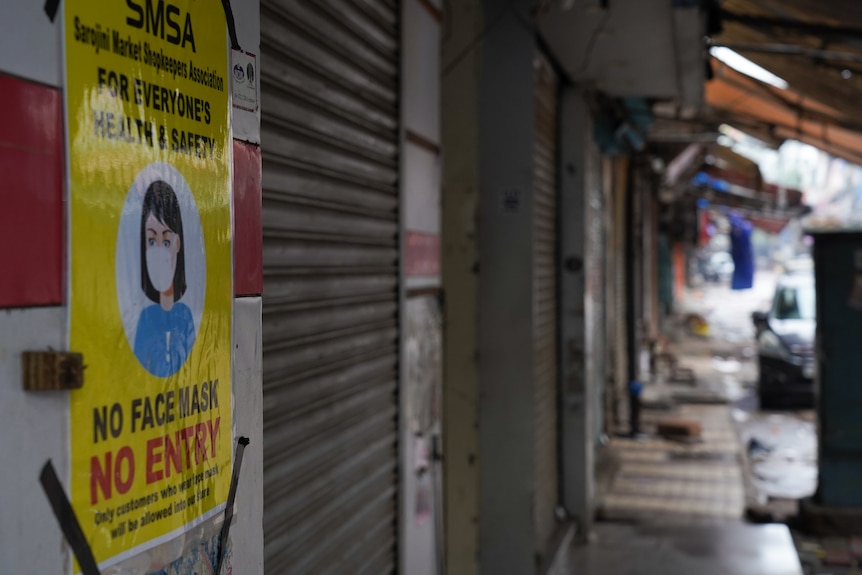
161 201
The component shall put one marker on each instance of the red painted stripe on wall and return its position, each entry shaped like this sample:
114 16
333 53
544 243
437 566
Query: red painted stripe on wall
248 238
421 254
31 195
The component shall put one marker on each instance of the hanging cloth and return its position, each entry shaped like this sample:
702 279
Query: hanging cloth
742 253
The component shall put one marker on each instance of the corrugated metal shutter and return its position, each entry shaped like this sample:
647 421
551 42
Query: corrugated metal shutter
330 140
545 307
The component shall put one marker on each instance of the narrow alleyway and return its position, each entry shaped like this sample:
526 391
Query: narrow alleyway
677 506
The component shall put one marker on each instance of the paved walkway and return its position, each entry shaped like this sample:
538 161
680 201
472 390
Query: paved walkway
675 508
655 475
726 548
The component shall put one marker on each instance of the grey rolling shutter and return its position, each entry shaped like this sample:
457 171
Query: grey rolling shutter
545 305
330 139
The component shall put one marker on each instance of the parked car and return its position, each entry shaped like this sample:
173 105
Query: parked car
785 343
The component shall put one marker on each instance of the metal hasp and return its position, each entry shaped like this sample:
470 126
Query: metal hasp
838 277
52 370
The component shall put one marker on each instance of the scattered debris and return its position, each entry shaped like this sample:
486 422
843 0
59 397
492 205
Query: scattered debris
658 403
683 375
726 365
739 416
674 428
697 325
856 547
700 396
838 557
662 355
757 449
781 454
701 456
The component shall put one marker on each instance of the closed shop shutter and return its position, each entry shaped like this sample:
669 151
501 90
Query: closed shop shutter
545 305
330 140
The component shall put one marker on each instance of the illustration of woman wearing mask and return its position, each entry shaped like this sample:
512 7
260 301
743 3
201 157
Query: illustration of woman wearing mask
166 330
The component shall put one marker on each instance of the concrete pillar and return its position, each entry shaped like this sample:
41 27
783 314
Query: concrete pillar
506 413
580 214
460 264
488 124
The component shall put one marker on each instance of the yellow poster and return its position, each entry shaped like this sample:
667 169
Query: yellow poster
150 268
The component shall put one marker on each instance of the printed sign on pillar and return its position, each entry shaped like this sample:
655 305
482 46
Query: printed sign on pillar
150 278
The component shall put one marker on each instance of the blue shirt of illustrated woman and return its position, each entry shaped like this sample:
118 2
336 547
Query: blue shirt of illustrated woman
164 339
166 330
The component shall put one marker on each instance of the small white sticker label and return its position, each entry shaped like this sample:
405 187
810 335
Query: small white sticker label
243 79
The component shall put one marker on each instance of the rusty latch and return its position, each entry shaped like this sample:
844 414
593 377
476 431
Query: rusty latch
52 370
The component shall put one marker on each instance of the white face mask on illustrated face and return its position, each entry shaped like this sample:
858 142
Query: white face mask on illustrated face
160 268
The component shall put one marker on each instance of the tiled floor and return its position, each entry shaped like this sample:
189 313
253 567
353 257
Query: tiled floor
677 509
655 475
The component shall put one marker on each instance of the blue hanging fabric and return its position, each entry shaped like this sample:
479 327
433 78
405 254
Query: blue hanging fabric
742 253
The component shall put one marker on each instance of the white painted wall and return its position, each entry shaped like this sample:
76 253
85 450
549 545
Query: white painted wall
421 213
34 428
422 189
422 377
30 43
421 115
247 531
421 71
246 14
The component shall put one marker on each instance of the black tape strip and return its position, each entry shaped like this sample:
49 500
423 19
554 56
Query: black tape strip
51 7
231 498
231 25
68 521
